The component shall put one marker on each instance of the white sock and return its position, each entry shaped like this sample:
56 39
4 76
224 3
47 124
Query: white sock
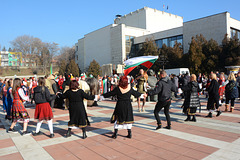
50 125
38 126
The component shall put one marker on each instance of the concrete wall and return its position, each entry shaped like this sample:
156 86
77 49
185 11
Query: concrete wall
214 27
160 21
133 19
80 54
234 23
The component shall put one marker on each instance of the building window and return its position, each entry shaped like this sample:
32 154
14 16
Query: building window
165 41
173 40
235 32
129 45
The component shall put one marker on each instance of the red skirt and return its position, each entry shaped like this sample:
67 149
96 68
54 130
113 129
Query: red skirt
43 111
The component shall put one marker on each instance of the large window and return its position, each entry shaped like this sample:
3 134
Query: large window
129 45
173 40
235 32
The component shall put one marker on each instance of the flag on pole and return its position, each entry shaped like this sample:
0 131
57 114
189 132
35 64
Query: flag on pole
132 63
51 69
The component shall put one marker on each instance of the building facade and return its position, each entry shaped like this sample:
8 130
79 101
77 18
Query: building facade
117 42
10 58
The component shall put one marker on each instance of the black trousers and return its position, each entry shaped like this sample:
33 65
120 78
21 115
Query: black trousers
53 97
158 108
232 101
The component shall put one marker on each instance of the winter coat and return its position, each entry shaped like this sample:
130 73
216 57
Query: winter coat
231 90
40 95
191 97
213 89
164 89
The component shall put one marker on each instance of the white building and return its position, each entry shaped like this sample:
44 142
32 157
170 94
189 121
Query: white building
113 44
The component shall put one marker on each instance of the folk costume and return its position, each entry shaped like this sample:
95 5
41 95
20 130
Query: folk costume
43 109
85 87
19 112
192 100
77 113
123 113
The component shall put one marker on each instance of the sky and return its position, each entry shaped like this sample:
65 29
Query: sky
66 21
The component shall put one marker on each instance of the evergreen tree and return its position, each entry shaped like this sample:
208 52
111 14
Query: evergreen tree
195 54
72 67
149 48
94 68
230 55
212 51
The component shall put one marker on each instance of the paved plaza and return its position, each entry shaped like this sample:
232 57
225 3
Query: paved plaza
217 138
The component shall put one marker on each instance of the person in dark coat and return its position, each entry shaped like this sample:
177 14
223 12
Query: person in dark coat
231 91
77 112
191 98
213 100
123 113
43 111
164 89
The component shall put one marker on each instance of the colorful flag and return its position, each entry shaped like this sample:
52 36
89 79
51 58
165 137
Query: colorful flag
132 63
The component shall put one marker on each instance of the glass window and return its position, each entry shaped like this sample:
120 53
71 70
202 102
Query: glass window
165 41
172 41
233 32
159 43
180 39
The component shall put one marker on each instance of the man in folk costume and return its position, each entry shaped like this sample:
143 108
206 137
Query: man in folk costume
85 87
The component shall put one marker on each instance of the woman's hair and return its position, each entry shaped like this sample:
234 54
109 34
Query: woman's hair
123 82
193 78
42 82
73 85
9 83
16 84
231 77
214 76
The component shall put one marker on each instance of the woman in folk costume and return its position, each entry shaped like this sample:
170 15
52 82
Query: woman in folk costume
221 88
141 87
77 112
213 96
123 114
32 86
43 109
19 112
191 98
4 95
9 98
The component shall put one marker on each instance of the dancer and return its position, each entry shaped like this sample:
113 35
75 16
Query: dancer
231 91
164 89
18 112
9 98
85 87
141 87
191 98
123 114
43 109
213 94
77 112
4 95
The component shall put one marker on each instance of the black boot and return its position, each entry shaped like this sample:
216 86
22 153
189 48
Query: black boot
115 133
209 115
188 118
84 133
68 132
168 127
194 118
129 133
218 113
159 126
